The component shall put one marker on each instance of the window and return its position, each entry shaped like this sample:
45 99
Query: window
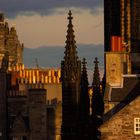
136 126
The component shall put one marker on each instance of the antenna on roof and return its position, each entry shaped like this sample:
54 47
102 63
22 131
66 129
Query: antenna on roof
36 63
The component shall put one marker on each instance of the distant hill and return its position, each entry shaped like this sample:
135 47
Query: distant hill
52 56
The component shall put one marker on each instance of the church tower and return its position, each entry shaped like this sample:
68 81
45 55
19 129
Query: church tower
9 42
70 76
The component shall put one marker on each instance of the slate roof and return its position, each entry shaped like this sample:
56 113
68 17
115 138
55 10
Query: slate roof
125 95
131 85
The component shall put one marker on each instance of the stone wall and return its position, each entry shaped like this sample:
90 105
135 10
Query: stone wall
114 68
121 125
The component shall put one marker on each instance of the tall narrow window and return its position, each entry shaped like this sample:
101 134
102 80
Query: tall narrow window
137 126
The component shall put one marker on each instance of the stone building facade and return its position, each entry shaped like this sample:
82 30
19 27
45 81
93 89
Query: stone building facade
122 125
122 93
27 115
121 99
122 19
31 117
27 95
48 79
24 91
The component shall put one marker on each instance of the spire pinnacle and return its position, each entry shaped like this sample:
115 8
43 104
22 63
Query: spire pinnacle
84 63
71 65
96 75
97 100
84 96
84 78
96 61
70 52
70 15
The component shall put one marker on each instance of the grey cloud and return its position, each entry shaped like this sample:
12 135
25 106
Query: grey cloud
13 8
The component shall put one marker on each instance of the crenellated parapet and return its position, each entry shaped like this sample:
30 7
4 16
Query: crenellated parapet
22 75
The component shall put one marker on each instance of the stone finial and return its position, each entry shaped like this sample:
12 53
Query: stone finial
96 60
96 75
70 15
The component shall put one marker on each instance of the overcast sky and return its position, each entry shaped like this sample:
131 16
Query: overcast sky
44 22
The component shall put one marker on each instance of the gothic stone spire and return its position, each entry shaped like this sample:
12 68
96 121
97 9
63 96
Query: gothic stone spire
70 53
84 96
71 64
97 100
70 77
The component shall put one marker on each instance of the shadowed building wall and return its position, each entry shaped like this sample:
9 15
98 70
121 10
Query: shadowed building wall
3 98
37 114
